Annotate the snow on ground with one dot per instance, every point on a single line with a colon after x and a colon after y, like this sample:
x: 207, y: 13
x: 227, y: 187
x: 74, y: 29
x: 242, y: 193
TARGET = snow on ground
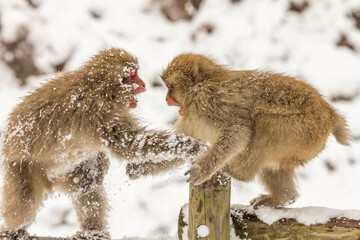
x: 247, y: 35
x: 304, y: 215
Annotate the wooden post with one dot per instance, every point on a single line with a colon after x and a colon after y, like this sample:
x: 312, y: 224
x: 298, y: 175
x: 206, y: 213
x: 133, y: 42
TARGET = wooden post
x: 209, y: 205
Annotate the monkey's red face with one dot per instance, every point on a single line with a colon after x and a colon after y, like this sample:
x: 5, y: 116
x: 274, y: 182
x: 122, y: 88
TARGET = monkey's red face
x: 138, y: 84
x: 170, y: 98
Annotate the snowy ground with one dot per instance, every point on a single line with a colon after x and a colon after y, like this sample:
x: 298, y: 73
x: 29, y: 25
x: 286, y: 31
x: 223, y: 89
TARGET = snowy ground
x: 250, y: 34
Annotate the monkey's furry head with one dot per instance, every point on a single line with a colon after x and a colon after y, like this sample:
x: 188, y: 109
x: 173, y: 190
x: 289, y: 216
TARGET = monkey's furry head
x: 187, y: 73
x: 112, y: 61
x: 188, y: 70
x: 109, y: 71
x: 191, y: 65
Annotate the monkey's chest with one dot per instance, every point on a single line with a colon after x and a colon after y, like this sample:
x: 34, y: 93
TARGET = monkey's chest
x: 197, y: 128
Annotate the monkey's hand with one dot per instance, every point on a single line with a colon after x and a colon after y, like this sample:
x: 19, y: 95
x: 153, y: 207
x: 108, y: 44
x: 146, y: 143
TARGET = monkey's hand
x: 200, y: 171
x: 136, y: 170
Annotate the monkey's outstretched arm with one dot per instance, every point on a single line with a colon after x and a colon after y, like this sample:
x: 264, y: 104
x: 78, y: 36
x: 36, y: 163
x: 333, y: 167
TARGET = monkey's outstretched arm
x: 136, y: 170
x: 127, y: 141
x: 231, y: 140
x: 164, y: 145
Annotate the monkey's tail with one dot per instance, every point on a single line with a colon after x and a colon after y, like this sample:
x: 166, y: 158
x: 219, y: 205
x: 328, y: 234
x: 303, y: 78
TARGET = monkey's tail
x: 340, y: 129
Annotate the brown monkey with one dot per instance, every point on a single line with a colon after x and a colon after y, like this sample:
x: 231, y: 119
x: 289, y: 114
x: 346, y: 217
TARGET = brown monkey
x: 60, y: 135
x: 258, y: 123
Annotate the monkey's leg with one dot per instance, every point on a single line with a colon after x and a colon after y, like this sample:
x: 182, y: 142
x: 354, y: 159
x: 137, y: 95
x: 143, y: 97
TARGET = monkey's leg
x: 281, y: 187
x: 21, y: 196
x: 91, y: 208
x: 85, y: 185
x: 136, y: 170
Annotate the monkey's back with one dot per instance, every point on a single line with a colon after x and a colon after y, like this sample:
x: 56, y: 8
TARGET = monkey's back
x: 289, y: 115
x: 46, y: 121
x: 277, y: 94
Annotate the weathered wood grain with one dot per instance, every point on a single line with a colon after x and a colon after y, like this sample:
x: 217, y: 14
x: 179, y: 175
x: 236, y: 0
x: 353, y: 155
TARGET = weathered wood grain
x: 209, y: 205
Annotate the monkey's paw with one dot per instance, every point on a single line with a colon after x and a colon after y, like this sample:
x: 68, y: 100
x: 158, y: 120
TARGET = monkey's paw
x: 92, y: 235
x: 198, y: 174
x: 19, y: 234
x: 135, y: 170
x: 269, y: 201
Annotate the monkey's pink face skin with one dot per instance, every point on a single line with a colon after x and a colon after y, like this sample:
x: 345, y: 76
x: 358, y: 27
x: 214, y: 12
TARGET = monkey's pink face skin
x: 139, y: 87
x: 170, y: 99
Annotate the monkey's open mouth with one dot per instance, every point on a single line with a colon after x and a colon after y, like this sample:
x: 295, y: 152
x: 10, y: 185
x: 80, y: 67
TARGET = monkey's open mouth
x: 181, y: 112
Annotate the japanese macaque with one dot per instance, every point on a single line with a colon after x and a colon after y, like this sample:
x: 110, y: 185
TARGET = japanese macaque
x: 257, y: 123
x: 59, y: 137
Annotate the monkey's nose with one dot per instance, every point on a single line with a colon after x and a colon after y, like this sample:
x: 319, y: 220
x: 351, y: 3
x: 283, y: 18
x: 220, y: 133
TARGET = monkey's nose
x: 141, y: 84
x: 140, y: 87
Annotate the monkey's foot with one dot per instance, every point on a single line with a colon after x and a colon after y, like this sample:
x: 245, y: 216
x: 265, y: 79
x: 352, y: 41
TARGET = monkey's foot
x: 135, y: 171
x: 269, y: 201
x: 19, y: 234
x: 91, y: 235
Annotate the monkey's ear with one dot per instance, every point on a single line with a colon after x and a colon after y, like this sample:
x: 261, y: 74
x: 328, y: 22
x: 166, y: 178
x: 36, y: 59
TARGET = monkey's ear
x: 194, y: 75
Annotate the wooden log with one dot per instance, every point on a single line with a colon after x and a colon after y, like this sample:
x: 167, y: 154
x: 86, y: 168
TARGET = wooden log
x: 248, y: 226
x: 43, y: 238
x: 6, y: 236
x: 48, y: 238
x: 3, y: 237
x: 209, y: 209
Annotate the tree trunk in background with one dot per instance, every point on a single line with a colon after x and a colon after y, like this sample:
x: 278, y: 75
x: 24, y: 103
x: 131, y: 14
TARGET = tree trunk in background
x: 175, y: 10
x: 19, y: 55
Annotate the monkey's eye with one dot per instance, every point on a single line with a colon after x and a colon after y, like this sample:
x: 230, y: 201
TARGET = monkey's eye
x: 133, y: 75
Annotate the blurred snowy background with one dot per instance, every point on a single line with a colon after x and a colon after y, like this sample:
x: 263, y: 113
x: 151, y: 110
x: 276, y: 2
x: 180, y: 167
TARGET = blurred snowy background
x: 316, y: 40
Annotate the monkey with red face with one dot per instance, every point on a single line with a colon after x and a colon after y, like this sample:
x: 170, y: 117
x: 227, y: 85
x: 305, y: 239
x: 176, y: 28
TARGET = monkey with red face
x: 257, y: 123
x: 59, y: 137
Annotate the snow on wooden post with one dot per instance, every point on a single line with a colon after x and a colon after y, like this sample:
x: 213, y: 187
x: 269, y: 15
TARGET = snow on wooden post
x: 209, y: 210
